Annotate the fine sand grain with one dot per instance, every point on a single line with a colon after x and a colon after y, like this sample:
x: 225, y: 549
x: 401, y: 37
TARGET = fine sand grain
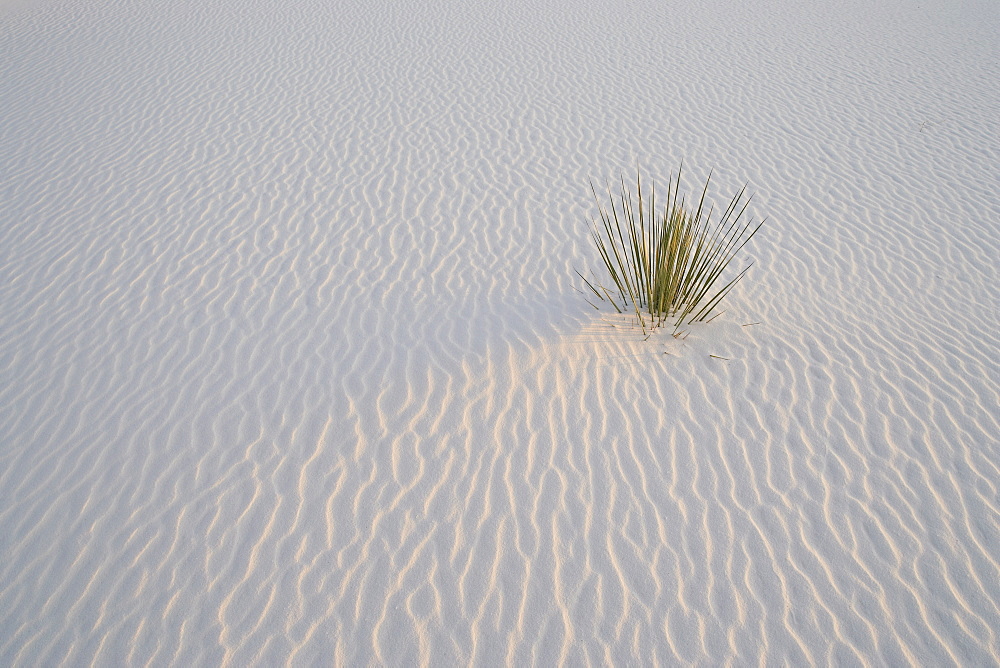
x: 294, y: 368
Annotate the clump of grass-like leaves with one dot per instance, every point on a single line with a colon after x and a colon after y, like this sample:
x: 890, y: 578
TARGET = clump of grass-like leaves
x: 667, y: 265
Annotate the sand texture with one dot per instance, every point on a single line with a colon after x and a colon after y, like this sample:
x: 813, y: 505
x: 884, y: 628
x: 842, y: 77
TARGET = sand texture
x: 295, y: 371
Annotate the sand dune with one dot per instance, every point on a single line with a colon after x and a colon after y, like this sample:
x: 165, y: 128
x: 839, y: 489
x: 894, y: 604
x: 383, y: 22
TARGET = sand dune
x: 295, y: 371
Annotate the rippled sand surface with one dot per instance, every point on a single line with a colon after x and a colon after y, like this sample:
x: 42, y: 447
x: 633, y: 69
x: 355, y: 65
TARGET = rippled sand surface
x: 294, y: 369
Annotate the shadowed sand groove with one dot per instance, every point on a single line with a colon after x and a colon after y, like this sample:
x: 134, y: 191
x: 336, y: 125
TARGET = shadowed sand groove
x: 294, y: 371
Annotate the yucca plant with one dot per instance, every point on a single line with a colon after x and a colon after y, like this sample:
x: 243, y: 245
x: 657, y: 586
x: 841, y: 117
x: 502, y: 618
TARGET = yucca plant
x: 667, y: 266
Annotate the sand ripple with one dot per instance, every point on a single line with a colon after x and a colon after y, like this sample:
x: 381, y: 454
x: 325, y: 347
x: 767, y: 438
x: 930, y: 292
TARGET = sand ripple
x: 294, y: 370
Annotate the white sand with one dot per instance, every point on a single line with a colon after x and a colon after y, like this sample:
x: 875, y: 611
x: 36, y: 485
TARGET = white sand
x: 294, y: 369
